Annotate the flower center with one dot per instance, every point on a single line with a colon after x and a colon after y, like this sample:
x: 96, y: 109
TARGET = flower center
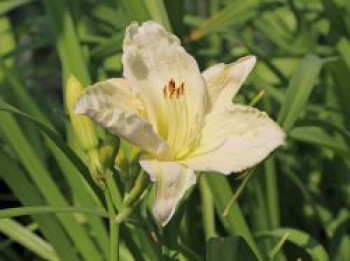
x: 175, y: 117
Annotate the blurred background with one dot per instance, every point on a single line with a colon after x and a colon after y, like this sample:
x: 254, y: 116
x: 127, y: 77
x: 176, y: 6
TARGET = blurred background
x: 297, y: 201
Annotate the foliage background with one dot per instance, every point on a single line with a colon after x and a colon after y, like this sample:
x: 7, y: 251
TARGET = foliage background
x: 295, y: 204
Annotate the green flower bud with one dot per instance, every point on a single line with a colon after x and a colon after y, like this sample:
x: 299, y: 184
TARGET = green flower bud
x: 140, y: 185
x: 122, y: 164
x: 98, y: 173
x: 108, y: 150
x: 83, y: 127
x: 85, y: 131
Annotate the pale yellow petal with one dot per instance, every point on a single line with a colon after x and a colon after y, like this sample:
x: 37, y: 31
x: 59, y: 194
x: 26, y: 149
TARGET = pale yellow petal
x: 234, y: 140
x: 172, y: 181
x: 111, y: 104
x: 224, y: 80
x: 167, y: 79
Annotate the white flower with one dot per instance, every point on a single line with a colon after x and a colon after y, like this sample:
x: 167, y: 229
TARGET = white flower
x: 182, y: 120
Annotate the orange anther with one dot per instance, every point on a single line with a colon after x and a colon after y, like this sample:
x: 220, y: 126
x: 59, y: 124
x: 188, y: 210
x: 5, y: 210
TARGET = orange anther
x: 182, y: 88
x: 170, y: 91
x: 172, y: 88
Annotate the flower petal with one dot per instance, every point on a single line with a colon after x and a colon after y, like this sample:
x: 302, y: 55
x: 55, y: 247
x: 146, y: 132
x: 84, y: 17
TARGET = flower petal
x: 111, y: 104
x: 235, y: 139
x: 224, y: 80
x: 157, y: 66
x: 172, y: 180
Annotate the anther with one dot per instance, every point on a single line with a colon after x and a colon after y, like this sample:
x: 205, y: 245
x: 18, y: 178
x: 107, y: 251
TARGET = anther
x: 182, y: 88
x: 172, y: 88
x: 170, y: 91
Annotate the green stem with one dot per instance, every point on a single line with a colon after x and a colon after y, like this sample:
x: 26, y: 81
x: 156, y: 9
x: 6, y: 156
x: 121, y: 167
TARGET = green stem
x: 272, y: 193
x: 116, y: 239
x: 113, y: 227
x: 238, y: 192
x: 208, y: 211
x: 235, y: 221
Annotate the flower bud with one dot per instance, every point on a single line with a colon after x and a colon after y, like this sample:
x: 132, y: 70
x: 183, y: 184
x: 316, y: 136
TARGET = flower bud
x: 98, y: 173
x: 140, y: 185
x: 82, y: 125
x: 108, y: 150
x: 85, y: 131
x: 122, y: 164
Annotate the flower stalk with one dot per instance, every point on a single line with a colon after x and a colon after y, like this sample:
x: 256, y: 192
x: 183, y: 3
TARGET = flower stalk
x: 113, y: 227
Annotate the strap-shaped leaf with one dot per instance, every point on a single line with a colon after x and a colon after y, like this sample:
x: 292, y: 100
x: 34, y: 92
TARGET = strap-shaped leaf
x: 299, y: 90
x: 28, y: 239
x: 78, y: 163
x: 228, y: 249
x: 301, y: 239
x: 35, y: 210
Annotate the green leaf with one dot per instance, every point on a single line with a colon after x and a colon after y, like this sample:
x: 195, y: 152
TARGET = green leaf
x: 229, y: 249
x: 301, y: 239
x: 108, y: 47
x: 24, y: 189
x: 9, y: 5
x: 208, y: 212
x: 319, y: 137
x: 234, y: 222
x: 28, y: 239
x: 234, y: 13
x: 299, y: 89
x: 343, y: 48
x: 113, y: 17
x: 34, y: 210
x: 18, y: 89
x: 57, y: 140
x: 340, y: 72
x: 158, y: 12
x: 340, y: 243
x: 46, y: 184
x: 71, y: 157
x: 67, y: 40
x: 135, y: 10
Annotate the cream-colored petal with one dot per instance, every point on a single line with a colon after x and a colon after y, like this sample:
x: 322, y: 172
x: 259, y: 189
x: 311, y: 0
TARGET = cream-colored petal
x: 234, y: 140
x: 224, y: 80
x: 157, y: 67
x: 111, y: 104
x: 172, y: 180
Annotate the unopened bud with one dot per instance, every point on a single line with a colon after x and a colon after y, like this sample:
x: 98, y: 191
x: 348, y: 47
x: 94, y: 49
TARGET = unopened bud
x: 84, y: 130
x: 83, y: 127
x: 138, y: 188
x: 133, y: 170
x: 108, y: 150
x: 122, y: 164
x: 97, y: 171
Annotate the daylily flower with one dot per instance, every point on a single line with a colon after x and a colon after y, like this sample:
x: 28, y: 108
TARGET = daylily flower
x: 182, y: 120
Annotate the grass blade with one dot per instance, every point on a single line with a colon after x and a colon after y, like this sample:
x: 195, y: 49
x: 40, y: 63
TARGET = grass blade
x: 158, y: 12
x: 28, y: 194
x: 28, y: 239
x: 34, y: 210
x: 235, y: 221
x: 301, y: 239
x: 235, y: 12
x: 299, y: 89
x: 35, y: 167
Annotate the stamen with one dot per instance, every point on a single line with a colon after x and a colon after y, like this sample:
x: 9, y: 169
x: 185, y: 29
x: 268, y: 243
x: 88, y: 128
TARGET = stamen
x: 182, y: 88
x: 170, y: 91
x: 172, y: 88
